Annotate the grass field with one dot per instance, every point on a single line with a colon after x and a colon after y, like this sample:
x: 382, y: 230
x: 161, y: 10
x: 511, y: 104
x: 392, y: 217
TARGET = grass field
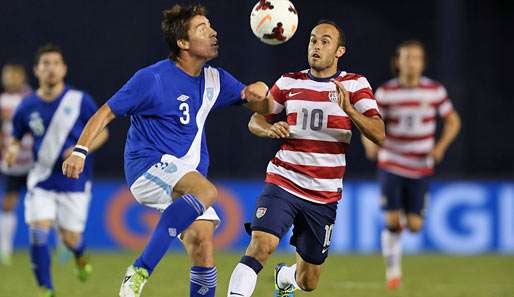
x: 355, y: 276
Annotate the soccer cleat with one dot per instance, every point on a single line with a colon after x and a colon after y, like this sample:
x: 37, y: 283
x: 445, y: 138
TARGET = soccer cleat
x: 133, y: 282
x: 393, y: 283
x: 287, y: 292
x: 45, y: 292
x: 84, y: 268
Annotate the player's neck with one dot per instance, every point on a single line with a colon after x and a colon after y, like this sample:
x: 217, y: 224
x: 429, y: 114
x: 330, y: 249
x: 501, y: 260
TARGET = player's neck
x: 50, y: 92
x: 325, y: 73
x: 409, y: 81
x: 189, y: 65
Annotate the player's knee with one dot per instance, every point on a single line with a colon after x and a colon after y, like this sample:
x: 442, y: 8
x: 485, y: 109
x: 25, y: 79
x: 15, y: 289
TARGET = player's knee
x: 262, y: 246
x: 206, y: 192
x: 415, y: 225
x: 10, y: 201
x: 69, y: 238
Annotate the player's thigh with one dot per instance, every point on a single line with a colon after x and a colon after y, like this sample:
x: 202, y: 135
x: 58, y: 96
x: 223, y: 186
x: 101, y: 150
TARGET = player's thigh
x: 72, y: 210
x: 40, y: 207
x: 275, y: 211
x: 417, y: 195
x: 307, y: 274
x: 391, y: 191
x: 313, y: 229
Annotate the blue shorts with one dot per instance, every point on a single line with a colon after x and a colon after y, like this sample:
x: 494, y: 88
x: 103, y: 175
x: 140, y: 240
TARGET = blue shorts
x: 277, y: 210
x: 402, y: 193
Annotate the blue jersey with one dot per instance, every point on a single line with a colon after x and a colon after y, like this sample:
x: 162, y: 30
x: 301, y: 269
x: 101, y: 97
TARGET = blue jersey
x: 55, y: 127
x: 168, y: 109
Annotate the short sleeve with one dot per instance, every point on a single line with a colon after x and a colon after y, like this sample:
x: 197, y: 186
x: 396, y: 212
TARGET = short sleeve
x: 362, y: 98
x: 445, y: 106
x: 19, y: 124
x: 135, y: 96
x: 230, y: 90
x: 279, y: 92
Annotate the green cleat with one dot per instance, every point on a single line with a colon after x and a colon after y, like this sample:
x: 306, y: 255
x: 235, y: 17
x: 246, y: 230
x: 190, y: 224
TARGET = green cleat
x: 133, y: 282
x: 287, y: 292
x: 84, y: 268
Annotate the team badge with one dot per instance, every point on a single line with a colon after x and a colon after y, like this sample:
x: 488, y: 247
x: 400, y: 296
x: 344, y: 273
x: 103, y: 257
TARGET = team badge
x: 261, y: 211
x: 332, y: 96
x: 210, y: 93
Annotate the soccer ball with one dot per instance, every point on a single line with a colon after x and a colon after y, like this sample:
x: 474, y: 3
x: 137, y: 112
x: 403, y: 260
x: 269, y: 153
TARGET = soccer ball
x: 274, y: 21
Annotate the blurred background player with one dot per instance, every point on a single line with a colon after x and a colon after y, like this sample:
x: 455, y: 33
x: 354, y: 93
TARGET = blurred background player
x: 304, y: 180
x: 166, y: 157
x: 54, y: 115
x: 15, y: 88
x: 410, y: 105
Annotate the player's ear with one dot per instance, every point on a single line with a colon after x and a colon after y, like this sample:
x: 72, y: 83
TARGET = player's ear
x: 183, y: 44
x: 340, y: 51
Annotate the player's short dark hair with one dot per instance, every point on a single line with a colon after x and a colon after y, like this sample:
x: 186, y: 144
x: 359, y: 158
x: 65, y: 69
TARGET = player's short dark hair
x: 175, y: 24
x: 45, y: 49
x: 404, y: 44
x: 342, y: 37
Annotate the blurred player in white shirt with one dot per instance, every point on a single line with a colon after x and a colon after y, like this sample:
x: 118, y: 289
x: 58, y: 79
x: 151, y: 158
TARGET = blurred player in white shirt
x: 15, y: 88
x: 410, y: 106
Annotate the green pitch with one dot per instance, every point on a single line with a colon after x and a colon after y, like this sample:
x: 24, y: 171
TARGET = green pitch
x: 355, y: 276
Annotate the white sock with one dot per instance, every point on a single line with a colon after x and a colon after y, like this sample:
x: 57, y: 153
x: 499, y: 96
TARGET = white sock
x: 286, y: 277
x: 392, y: 252
x: 242, y: 282
x: 7, y: 229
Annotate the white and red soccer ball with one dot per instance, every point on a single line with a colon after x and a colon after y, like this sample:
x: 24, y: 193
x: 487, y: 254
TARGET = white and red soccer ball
x: 274, y: 21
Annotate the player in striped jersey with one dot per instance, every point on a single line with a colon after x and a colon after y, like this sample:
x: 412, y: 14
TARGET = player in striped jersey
x: 304, y: 179
x: 410, y: 105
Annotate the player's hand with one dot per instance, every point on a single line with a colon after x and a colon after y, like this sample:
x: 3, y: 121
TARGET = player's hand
x: 437, y: 154
x: 67, y: 153
x: 278, y: 130
x: 73, y: 166
x: 255, y: 92
x: 10, y: 154
x: 343, y: 97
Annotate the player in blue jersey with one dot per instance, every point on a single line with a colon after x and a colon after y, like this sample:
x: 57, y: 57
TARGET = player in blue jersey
x: 54, y: 115
x: 166, y: 153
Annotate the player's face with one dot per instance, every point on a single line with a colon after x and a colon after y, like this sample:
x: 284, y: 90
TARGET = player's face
x: 411, y: 61
x: 324, y: 51
x: 203, y: 41
x: 50, y: 70
x: 13, y: 78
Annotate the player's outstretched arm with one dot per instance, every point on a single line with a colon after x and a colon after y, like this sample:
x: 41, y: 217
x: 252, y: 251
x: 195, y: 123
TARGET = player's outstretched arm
x: 91, y: 138
x: 259, y: 126
x: 258, y: 97
x: 451, y: 128
x: 372, y: 128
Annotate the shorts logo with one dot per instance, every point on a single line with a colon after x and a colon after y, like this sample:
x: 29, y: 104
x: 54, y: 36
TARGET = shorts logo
x: 261, y: 211
x: 332, y: 96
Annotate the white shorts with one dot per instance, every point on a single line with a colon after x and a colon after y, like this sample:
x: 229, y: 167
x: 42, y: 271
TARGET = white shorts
x: 68, y: 209
x: 155, y: 187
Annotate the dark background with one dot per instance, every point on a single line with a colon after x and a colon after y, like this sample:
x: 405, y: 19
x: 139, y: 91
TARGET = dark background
x: 470, y: 47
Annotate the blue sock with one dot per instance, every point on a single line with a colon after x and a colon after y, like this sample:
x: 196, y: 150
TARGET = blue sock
x: 174, y: 220
x: 40, y: 257
x: 203, y: 281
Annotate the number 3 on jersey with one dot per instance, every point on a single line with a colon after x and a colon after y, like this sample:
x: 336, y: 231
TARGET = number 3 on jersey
x: 185, y: 118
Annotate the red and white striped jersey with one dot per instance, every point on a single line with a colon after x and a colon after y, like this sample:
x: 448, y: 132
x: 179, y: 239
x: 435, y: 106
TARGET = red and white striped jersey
x: 8, y: 104
x: 410, y: 115
x: 311, y: 162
